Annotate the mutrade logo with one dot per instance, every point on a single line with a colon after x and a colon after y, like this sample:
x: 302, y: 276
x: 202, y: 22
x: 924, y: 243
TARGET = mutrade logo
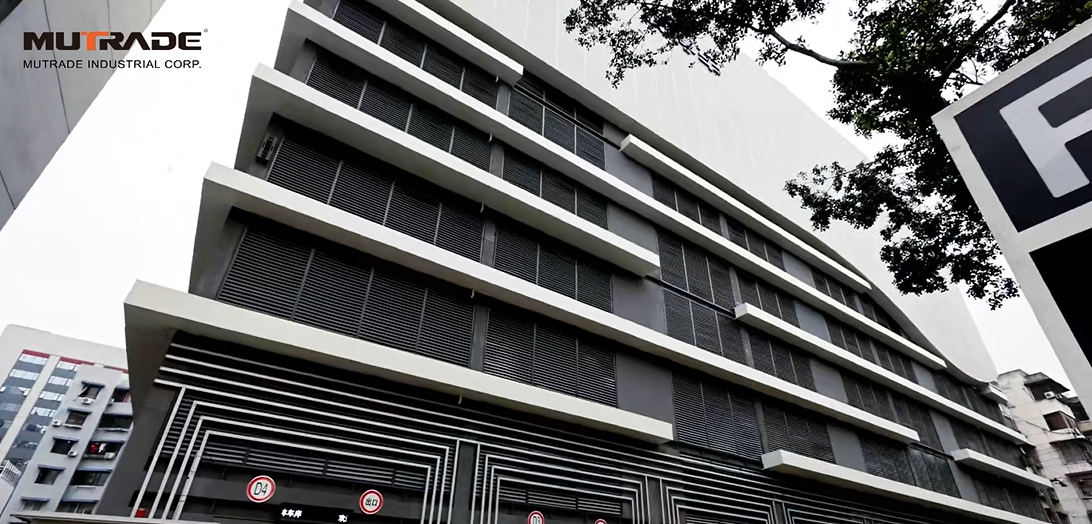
x: 1043, y: 134
x: 105, y: 40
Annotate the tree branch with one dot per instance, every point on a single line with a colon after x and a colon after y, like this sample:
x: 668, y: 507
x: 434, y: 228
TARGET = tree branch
x: 823, y: 59
x: 969, y: 43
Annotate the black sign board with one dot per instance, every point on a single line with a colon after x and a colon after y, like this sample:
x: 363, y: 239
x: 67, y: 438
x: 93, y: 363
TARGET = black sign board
x: 316, y: 515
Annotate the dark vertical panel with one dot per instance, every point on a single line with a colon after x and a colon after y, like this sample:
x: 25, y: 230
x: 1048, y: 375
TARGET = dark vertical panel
x: 672, y: 264
x: 679, y: 323
x: 266, y: 274
x: 447, y: 328
x: 363, y: 191
x: 360, y: 17
x: 392, y: 315
x: 303, y: 169
x: 333, y: 295
x: 697, y: 273
x: 509, y: 347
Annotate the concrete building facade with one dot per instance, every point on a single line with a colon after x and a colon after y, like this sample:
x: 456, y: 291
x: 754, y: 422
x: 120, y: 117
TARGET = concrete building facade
x: 1059, y: 428
x: 449, y: 264
x: 66, y: 415
x: 40, y: 106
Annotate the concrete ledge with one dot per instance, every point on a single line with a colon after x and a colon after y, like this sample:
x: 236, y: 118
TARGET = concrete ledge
x: 792, y: 464
x: 274, y: 92
x: 981, y: 462
x: 649, y: 157
x: 152, y: 309
x: 994, y: 393
x: 226, y: 188
x: 757, y: 318
x: 56, y: 517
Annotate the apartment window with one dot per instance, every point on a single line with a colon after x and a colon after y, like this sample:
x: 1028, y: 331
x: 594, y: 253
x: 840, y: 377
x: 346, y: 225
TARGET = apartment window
x: 32, y: 504
x: 36, y: 428
x: 33, y: 359
x: 68, y: 366
x: 62, y: 446
x: 40, y: 411
x: 1059, y: 421
x: 60, y: 381
x: 1075, y: 451
x: 120, y: 395
x: 89, y: 478
x: 76, y: 418
x: 9, y: 406
x: 49, y: 395
x: 19, y: 373
x: 26, y: 444
x: 85, y: 508
x: 1083, y: 484
x: 100, y: 449
x: 47, y: 475
x: 90, y: 390
x: 115, y: 422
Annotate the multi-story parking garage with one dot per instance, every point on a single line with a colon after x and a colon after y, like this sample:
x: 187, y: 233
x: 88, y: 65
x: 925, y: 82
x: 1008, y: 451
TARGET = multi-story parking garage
x: 444, y: 269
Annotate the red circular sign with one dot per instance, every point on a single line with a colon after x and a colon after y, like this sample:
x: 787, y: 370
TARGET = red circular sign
x: 535, y: 517
x: 600, y: 521
x: 260, y: 488
x: 371, y: 502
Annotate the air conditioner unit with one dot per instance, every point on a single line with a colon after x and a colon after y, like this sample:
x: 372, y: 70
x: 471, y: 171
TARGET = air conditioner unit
x: 1050, y: 394
x: 73, y: 453
x: 266, y: 150
x: 55, y: 423
x: 111, y: 401
x: 109, y: 456
x: 86, y: 400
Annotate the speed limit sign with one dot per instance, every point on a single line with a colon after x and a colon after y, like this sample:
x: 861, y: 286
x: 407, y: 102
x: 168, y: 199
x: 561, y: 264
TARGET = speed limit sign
x: 371, y: 502
x: 535, y: 517
x: 260, y: 488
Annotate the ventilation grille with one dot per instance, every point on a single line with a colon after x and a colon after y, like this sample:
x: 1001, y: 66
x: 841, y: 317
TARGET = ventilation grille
x: 704, y: 327
x: 791, y: 429
x: 527, y: 174
x: 555, y: 267
x: 544, y: 498
x: 375, y: 25
x: 549, y: 356
x: 294, y: 281
x: 557, y: 128
x: 712, y: 415
x: 349, y: 84
x: 908, y: 464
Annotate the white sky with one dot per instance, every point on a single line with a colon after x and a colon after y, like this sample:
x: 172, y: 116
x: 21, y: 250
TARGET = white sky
x: 106, y: 211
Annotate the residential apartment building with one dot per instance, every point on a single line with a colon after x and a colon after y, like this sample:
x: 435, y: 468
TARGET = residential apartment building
x: 1056, y: 424
x: 66, y: 416
x: 444, y: 268
x: 41, y: 106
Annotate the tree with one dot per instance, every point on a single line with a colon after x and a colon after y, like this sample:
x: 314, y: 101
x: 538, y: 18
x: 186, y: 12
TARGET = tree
x: 907, y: 60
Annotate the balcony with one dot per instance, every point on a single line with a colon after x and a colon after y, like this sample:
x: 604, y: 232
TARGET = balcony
x: 1085, y: 427
x: 976, y: 460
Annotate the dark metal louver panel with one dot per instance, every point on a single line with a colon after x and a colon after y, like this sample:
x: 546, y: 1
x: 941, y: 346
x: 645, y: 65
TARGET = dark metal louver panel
x: 663, y: 191
x: 775, y: 256
x: 386, y: 103
x: 522, y: 172
x: 594, y: 286
x: 440, y: 64
x: 266, y: 274
x: 406, y: 43
x: 460, y: 232
x: 787, y: 306
x: 756, y: 244
x: 680, y: 326
x: 303, y: 169
x: 337, y: 78
x: 598, y: 376
x: 559, y: 130
x: 360, y: 17
x: 557, y: 271
x: 333, y: 295
x: 722, y: 284
x: 731, y: 339
x: 413, y: 212
x: 689, y: 411
x: 559, y: 191
x: 174, y: 431
x: 688, y: 205
x: 761, y: 352
x: 516, y: 255
x: 801, y: 364
x: 748, y: 288
x: 886, y: 459
x: 509, y: 347
x: 432, y: 126
x: 392, y: 316
x: 697, y: 273
x: 363, y: 191
x: 555, y: 360
x: 447, y: 329
x: 672, y: 265
x: 940, y: 475
x: 473, y: 146
x: 768, y: 298
x: 710, y: 414
x: 591, y: 148
x: 526, y: 111
x: 783, y: 364
x: 710, y: 217
x: 791, y: 430
x: 736, y: 232
x: 706, y: 334
x: 591, y: 207
x: 820, y: 282
x: 480, y: 85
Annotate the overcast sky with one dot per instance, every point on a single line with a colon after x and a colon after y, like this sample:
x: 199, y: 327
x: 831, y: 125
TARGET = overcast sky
x: 107, y: 211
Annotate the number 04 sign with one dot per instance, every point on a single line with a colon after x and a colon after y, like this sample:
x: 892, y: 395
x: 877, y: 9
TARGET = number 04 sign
x: 371, y: 502
x: 260, y: 489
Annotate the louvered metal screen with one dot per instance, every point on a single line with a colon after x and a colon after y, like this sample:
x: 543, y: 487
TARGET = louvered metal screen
x: 700, y: 325
x: 293, y: 280
x: 364, y: 19
x: 712, y: 415
x: 791, y: 429
x: 531, y: 176
x: 691, y: 269
x: 521, y: 348
x: 555, y: 499
x: 528, y: 255
x: 1007, y: 496
x: 908, y: 464
x: 776, y: 358
x: 351, y: 85
x: 557, y: 128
